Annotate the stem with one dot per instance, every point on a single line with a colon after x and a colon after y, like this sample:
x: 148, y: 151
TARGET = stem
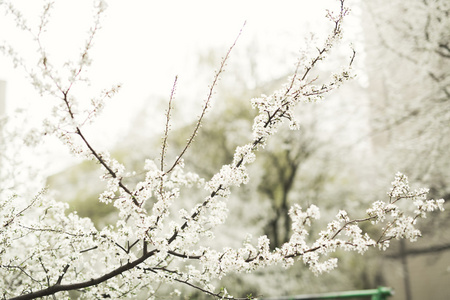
x: 94, y: 281
x: 207, y: 102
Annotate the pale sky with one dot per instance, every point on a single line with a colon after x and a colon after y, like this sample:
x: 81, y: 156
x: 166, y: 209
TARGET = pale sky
x: 144, y: 44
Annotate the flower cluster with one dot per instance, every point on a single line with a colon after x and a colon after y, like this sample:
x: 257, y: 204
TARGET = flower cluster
x: 342, y: 233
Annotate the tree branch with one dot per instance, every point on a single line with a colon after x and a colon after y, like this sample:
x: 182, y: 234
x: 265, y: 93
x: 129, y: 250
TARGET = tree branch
x: 421, y: 251
x: 207, y: 101
x: 94, y: 281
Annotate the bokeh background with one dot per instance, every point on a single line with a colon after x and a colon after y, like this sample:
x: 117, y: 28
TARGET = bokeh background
x: 394, y: 116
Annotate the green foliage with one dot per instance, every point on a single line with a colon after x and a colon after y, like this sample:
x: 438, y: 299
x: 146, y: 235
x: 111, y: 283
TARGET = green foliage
x: 80, y: 186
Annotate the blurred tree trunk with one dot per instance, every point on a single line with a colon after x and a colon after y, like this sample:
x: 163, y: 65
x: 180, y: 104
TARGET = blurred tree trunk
x: 405, y: 271
x: 408, y: 69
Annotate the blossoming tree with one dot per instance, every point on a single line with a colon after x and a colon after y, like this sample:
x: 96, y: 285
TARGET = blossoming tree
x: 407, y: 109
x: 45, y: 251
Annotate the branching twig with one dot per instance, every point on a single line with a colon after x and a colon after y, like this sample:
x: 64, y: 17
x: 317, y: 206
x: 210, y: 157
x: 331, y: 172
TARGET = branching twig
x: 219, y: 295
x: 36, y: 198
x: 166, y: 130
x: 207, y: 102
x: 108, y: 168
x: 279, y: 112
x: 94, y: 281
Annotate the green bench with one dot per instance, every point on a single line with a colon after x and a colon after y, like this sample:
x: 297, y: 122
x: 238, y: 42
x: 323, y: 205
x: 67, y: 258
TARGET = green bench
x: 380, y: 293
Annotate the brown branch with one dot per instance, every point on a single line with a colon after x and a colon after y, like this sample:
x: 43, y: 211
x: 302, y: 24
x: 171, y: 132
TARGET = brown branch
x: 207, y: 101
x: 182, y: 255
x: 66, y: 267
x: 356, y: 221
x: 218, y: 295
x: 22, y: 271
x: 94, y: 281
x: 65, y: 93
x: 166, y: 130
x: 422, y: 251
x: 89, y: 249
x: 23, y: 210
x: 103, y: 163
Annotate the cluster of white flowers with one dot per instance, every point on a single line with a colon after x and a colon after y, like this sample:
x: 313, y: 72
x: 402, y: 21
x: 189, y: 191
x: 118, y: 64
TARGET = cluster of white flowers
x: 41, y: 245
x: 20, y: 21
x: 342, y: 233
x: 401, y: 225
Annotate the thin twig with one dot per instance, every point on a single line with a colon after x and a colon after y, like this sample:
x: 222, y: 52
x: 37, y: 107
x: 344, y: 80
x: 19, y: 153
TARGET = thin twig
x: 218, y: 295
x: 26, y: 208
x: 166, y: 130
x: 207, y: 101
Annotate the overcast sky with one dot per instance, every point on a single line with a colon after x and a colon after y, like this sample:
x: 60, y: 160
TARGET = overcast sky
x: 144, y: 44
